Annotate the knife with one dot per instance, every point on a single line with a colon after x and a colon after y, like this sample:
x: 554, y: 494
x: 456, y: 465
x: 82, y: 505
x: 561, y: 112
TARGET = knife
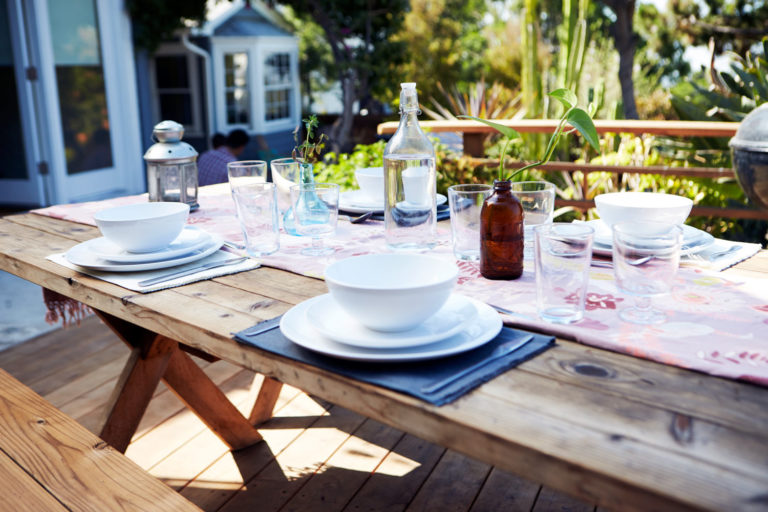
x: 502, y: 350
x: 182, y: 273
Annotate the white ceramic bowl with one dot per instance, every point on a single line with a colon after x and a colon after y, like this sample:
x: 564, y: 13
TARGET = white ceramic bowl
x: 642, y: 207
x: 371, y: 183
x: 142, y: 227
x: 391, y: 292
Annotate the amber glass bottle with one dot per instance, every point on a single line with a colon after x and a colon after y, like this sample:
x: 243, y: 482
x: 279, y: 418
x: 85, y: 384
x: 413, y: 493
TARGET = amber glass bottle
x: 501, y: 234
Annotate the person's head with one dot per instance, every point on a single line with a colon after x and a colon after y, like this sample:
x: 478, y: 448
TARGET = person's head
x: 236, y: 141
x: 218, y: 140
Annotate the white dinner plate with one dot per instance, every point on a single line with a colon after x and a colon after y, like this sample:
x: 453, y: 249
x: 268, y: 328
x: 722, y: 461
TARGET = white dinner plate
x: 354, y: 201
x: 190, y: 239
x: 83, y: 256
x: 694, y: 240
x: 297, y: 328
x: 333, y: 322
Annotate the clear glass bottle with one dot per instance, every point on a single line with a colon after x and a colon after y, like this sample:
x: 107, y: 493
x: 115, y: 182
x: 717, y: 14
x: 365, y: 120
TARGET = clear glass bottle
x: 410, y: 212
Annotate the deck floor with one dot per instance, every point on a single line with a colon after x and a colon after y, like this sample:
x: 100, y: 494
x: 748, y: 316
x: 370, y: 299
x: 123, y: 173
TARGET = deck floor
x: 316, y: 456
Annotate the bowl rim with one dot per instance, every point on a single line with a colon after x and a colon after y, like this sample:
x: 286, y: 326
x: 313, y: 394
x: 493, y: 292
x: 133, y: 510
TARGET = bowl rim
x: 454, y: 274
x: 169, y: 210
x: 683, y: 201
x: 372, y: 172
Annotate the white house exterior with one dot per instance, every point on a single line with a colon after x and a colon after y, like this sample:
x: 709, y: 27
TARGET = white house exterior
x: 81, y: 101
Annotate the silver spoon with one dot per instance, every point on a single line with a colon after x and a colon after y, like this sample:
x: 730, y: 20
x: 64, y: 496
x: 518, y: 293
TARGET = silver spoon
x: 358, y: 220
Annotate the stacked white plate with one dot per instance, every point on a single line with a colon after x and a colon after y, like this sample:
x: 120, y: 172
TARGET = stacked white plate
x: 321, y: 325
x: 694, y: 240
x: 101, y: 254
x: 355, y: 201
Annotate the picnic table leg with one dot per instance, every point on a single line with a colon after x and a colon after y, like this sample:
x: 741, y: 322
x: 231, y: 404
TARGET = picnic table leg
x: 265, y: 401
x: 154, y: 357
x: 207, y: 401
x: 134, y: 390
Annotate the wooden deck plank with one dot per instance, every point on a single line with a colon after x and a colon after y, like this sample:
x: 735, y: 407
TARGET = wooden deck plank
x: 38, y: 371
x: 339, y: 479
x: 200, y: 451
x: 272, y: 487
x: 406, y: 467
x: 507, y: 492
x: 452, y: 486
x: 224, y: 479
x: 70, y: 371
x: 550, y: 500
x: 160, y: 441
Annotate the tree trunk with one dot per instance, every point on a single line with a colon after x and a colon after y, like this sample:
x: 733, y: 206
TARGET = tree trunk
x: 341, y: 132
x: 625, y: 41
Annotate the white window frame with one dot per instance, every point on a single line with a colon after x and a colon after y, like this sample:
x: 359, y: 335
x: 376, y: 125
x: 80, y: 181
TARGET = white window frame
x: 222, y: 47
x: 258, y: 50
x: 196, y: 129
x: 268, y: 46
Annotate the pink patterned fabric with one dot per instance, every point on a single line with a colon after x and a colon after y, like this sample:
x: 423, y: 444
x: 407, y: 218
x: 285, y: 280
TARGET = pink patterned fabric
x: 716, y: 325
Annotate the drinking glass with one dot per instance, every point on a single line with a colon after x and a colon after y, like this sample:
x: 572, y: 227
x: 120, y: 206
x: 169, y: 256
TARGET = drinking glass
x: 646, y: 256
x: 256, y: 208
x: 563, y: 256
x: 285, y: 172
x: 250, y: 171
x: 465, y: 202
x: 538, y: 201
x: 316, y: 212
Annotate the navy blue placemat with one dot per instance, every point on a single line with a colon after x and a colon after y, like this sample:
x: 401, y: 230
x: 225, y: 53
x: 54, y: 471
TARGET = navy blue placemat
x: 411, y: 378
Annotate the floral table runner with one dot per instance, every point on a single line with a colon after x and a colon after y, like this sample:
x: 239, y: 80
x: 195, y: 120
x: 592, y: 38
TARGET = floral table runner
x: 716, y: 324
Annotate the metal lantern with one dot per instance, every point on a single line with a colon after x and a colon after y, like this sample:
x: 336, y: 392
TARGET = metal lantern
x: 171, y: 166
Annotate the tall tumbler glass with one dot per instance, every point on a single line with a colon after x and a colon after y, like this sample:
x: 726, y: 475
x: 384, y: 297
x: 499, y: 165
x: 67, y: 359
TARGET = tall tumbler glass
x: 646, y: 256
x: 563, y: 255
x: 256, y: 208
x: 466, y: 202
x: 538, y: 201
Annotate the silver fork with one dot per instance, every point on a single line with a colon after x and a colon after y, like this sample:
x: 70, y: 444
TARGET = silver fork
x: 717, y: 255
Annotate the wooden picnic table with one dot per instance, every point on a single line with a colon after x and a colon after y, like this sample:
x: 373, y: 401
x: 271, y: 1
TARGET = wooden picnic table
x: 618, y: 431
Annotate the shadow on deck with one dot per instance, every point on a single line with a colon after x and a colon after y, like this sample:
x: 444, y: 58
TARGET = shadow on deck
x: 316, y: 456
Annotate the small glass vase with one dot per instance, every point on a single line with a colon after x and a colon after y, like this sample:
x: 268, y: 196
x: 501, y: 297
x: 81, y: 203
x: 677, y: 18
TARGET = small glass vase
x: 501, y: 234
x: 305, y: 176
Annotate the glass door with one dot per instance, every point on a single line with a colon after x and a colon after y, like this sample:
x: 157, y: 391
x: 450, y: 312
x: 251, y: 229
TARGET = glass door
x: 22, y: 183
x: 80, y: 88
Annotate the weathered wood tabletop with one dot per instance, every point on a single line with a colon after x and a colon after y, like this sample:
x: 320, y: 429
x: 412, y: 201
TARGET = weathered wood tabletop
x: 621, y: 432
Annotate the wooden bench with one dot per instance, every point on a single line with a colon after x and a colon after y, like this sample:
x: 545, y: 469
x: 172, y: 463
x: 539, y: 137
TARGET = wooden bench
x: 50, y: 462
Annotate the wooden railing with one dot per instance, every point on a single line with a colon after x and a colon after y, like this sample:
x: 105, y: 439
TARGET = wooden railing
x: 474, y: 134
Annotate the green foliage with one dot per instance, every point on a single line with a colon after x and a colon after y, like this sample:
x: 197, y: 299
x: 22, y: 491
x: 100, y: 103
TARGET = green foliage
x: 576, y: 117
x: 494, y: 102
x: 359, y: 33
x: 735, y: 25
x: 308, y: 150
x: 316, y: 66
x: 155, y: 21
x: 733, y: 95
x: 443, y: 43
x: 340, y: 167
